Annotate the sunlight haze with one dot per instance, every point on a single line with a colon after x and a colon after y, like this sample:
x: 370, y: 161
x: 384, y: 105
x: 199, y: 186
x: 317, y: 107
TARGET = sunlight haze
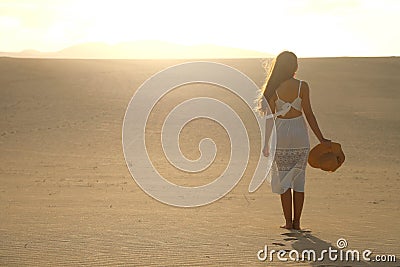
x: 310, y: 28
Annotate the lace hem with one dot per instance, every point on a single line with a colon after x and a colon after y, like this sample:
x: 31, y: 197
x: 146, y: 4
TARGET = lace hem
x: 287, y: 159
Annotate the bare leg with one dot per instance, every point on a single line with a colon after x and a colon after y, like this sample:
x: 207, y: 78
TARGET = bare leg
x: 298, y: 201
x: 286, y: 199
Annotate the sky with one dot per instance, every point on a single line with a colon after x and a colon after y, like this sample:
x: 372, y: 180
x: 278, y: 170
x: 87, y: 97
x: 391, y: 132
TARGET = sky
x: 310, y: 28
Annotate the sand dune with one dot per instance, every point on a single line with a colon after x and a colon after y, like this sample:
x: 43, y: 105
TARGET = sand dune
x: 67, y: 198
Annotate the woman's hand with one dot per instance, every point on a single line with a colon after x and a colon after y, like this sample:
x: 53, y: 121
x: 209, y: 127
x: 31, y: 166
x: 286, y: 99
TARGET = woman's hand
x: 326, y: 142
x: 265, y: 151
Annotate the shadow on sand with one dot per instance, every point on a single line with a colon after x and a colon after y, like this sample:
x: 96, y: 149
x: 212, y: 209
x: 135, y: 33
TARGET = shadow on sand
x: 304, y: 240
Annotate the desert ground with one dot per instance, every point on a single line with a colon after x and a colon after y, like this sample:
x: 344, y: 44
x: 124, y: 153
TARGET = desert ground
x: 67, y: 197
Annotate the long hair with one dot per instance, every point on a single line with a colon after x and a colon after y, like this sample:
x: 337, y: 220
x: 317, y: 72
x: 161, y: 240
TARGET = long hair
x: 283, y: 68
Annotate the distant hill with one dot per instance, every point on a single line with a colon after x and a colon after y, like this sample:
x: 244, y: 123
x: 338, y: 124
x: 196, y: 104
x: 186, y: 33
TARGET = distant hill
x: 141, y: 50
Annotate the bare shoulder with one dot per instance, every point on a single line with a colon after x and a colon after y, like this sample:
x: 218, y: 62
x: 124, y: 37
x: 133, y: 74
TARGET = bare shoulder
x: 304, y: 87
x: 304, y: 84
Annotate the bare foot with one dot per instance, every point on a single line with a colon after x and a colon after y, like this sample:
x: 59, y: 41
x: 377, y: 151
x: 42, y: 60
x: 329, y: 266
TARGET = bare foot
x: 287, y: 225
x: 296, y: 225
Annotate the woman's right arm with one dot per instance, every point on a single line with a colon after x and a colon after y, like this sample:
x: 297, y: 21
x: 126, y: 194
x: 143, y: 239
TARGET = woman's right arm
x: 312, y: 121
x: 268, y: 127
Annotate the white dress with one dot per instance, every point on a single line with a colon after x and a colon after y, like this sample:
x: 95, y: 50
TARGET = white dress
x: 292, y: 148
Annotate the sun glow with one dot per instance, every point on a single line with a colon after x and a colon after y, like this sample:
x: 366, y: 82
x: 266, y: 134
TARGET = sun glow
x: 308, y: 27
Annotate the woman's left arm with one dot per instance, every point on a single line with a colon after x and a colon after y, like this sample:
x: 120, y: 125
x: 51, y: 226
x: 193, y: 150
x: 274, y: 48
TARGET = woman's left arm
x: 308, y: 112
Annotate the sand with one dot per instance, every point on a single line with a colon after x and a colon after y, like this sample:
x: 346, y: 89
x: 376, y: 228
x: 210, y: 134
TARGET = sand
x: 67, y: 198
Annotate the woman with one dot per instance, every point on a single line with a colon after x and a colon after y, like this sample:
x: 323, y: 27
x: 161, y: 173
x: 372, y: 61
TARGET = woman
x: 288, y: 99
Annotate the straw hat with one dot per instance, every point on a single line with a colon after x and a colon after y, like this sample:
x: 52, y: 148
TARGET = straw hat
x: 326, y: 157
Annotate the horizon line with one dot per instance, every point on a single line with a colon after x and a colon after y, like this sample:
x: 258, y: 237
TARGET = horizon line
x: 194, y: 58
x: 14, y: 54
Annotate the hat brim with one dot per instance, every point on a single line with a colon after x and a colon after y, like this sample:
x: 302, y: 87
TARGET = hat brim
x: 314, y: 157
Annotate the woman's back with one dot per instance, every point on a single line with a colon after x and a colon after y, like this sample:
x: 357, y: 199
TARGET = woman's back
x: 289, y: 92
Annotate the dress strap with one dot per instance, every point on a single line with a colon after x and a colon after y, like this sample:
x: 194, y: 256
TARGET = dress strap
x: 298, y: 94
x: 276, y: 92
